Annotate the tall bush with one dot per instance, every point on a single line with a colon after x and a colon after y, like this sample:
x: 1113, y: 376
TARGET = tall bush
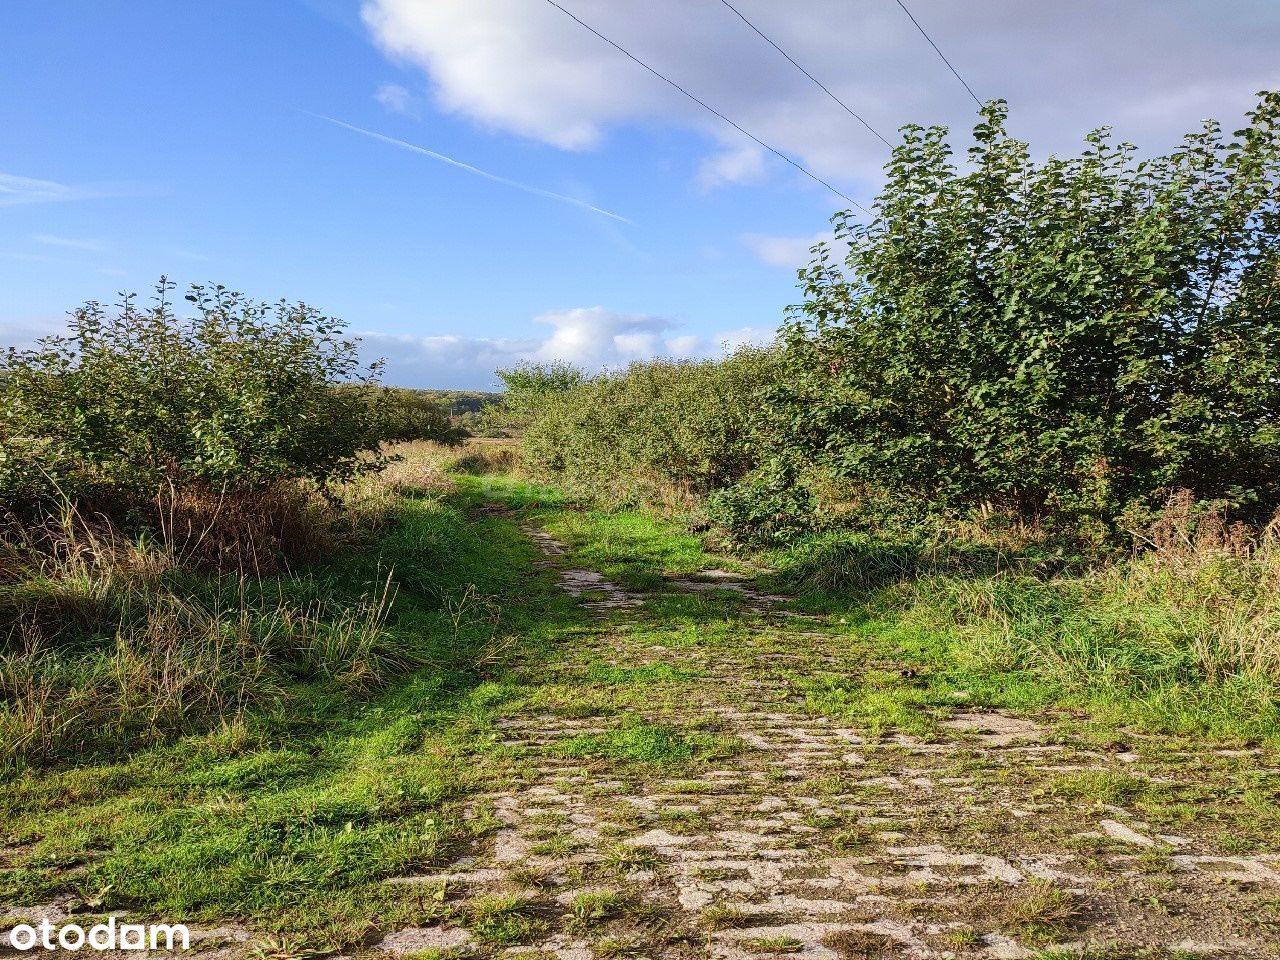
x: 665, y: 432
x: 236, y: 397
x: 405, y: 415
x: 1063, y: 340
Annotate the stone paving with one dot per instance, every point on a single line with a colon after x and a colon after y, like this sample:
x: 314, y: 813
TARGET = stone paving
x: 815, y: 839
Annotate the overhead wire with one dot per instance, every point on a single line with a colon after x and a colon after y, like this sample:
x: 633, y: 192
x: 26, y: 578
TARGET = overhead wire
x: 710, y: 109
x: 822, y: 86
x: 954, y: 71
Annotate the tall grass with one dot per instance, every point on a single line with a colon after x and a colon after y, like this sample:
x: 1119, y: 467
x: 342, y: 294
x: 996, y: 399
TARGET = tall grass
x: 109, y: 641
x: 1185, y: 632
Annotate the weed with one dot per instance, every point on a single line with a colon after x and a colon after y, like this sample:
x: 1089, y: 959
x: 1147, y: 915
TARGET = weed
x: 503, y: 920
x: 859, y: 945
x: 774, y: 944
x: 641, y: 742
x: 593, y: 906
x: 725, y: 916
x: 1038, y: 909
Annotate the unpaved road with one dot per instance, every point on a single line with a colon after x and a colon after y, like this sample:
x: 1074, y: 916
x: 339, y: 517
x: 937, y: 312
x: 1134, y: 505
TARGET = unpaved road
x: 801, y: 835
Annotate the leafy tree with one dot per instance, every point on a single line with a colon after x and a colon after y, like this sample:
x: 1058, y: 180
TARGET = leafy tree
x: 238, y: 396
x: 529, y: 388
x: 1065, y: 340
x: 405, y: 414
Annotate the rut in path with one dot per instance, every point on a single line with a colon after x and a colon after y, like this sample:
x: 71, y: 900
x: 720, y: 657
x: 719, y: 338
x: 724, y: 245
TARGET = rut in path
x: 798, y: 835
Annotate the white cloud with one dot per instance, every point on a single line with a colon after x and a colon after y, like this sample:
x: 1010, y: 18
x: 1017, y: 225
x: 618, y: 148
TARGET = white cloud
x: 790, y: 252
x: 739, y: 165
x: 525, y: 68
x: 15, y: 190
x: 24, y: 333
x: 70, y: 243
x: 755, y: 336
x: 593, y: 338
x: 394, y: 97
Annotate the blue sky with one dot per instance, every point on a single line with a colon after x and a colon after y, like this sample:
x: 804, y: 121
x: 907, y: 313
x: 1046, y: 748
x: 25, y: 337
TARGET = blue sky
x: 185, y: 138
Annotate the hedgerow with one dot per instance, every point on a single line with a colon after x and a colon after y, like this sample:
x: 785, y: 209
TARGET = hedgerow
x: 666, y: 432
x: 1064, y: 342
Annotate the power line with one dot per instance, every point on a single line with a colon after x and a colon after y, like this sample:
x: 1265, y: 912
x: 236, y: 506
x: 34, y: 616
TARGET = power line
x: 710, y: 109
x: 821, y: 85
x: 955, y: 72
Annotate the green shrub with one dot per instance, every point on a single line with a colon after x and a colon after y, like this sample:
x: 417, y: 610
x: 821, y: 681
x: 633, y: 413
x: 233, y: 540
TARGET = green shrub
x: 236, y: 398
x: 1063, y: 341
x: 1053, y: 347
x: 405, y: 415
x: 665, y: 432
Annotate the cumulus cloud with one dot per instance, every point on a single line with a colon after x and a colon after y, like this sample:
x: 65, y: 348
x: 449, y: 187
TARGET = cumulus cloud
x: 593, y: 338
x: 1153, y: 67
x: 394, y: 97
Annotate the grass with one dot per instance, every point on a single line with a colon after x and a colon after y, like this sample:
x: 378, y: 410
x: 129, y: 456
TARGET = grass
x: 1184, y: 640
x: 635, y: 550
x: 592, y: 907
x: 287, y: 811
x: 638, y: 742
x: 504, y: 920
x: 289, y: 814
x: 1181, y: 643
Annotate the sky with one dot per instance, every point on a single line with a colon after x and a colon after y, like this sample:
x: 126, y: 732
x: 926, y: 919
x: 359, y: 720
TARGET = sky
x: 473, y: 183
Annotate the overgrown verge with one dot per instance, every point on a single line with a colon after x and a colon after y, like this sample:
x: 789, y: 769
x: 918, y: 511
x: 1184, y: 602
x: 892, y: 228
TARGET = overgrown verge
x: 1035, y: 404
x: 117, y: 642
x: 169, y: 487
x: 1183, y: 637
x: 289, y: 817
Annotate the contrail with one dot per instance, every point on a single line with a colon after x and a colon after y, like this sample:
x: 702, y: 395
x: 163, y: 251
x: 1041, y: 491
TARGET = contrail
x: 527, y: 188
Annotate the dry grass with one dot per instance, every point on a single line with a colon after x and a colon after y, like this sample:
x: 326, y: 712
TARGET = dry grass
x: 483, y: 456
x: 417, y: 469
x: 258, y: 532
x: 1220, y: 583
x: 109, y: 640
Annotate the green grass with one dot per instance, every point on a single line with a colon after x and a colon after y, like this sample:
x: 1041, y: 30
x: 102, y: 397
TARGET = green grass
x: 608, y: 674
x: 1085, y: 643
x: 639, y: 742
x: 504, y: 920
x: 289, y: 818
x: 634, y: 550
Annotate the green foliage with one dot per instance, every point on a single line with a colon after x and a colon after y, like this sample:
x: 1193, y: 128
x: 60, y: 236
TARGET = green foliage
x: 237, y: 397
x: 404, y: 414
x: 107, y: 644
x: 528, y: 389
x: 1065, y: 340
x: 666, y: 432
x: 292, y: 819
x: 1058, y: 344
x: 640, y: 742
